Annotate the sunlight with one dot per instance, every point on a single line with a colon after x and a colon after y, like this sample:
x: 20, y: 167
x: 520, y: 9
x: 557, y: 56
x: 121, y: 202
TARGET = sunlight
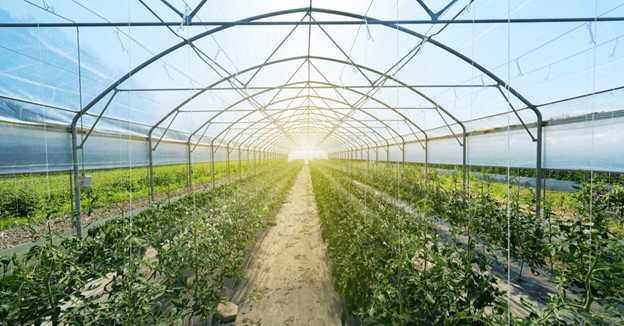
x: 307, y: 153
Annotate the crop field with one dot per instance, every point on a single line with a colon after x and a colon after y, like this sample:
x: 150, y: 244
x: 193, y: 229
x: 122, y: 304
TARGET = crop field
x: 162, y: 266
x: 35, y: 196
x: 403, y: 245
x: 408, y: 246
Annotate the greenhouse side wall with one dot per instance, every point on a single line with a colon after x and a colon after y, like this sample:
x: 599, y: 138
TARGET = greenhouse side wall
x: 30, y: 149
x: 583, y: 145
x: 37, y: 149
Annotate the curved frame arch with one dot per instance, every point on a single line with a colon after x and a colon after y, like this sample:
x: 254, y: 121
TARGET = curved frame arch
x: 392, y: 130
x: 200, y: 91
x: 323, y: 98
x: 309, y: 10
x: 298, y: 115
x: 302, y: 113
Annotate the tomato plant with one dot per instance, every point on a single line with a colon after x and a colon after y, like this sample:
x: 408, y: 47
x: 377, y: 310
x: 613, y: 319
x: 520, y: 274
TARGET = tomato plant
x: 584, y: 249
x: 392, y: 268
x: 164, y: 265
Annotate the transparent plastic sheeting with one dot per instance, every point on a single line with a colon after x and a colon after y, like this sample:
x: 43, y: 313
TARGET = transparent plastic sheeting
x: 586, y: 145
x: 30, y: 149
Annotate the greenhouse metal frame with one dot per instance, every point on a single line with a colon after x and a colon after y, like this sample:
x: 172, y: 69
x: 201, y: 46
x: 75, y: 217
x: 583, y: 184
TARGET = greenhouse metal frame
x: 306, y: 105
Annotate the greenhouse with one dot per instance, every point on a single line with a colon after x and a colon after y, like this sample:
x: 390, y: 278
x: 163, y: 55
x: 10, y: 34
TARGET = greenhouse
x: 413, y: 162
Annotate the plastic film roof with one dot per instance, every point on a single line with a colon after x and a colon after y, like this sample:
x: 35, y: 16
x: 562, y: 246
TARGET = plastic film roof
x: 327, y: 75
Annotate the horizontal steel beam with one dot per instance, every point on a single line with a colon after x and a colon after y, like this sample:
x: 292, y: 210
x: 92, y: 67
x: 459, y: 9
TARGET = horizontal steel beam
x: 180, y: 89
x: 320, y: 22
x: 318, y: 108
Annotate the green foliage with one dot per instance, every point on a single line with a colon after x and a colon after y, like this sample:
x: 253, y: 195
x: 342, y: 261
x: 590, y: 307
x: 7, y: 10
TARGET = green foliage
x: 584, y: 247
x: 392, y: 268
x: 164, y: 266
x: 566, y: 175
x: 25, y: 196
x: 17, y: 203
x: 590, y: 269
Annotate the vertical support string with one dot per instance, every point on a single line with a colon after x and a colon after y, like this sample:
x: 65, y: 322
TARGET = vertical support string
x: 129, y: 138
x: 398, y: 176
x: 591, y: 149
x: 45, y: 119
x: 508, y: 164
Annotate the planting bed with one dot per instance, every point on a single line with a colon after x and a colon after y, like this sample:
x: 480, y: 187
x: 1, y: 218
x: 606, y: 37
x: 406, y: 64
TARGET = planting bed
x: 383, y: 225
x: 165, y: 265
x: 48, y: 197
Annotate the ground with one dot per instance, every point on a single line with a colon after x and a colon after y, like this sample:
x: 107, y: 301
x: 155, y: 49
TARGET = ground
x: 288, y: 279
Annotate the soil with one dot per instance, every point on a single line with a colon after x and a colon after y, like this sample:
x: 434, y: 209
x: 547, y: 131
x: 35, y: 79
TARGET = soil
x: 288, y: 278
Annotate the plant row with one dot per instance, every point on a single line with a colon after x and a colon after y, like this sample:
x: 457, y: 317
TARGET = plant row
x: 583, y: 248
x: 166, y: 265
x: 391, y: 267
x: 35, y: 196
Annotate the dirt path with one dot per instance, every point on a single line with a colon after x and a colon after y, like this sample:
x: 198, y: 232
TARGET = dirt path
x: 288, y: 278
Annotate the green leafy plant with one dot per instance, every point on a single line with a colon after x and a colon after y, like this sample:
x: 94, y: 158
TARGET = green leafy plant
x: 165, y: 265
x: 17, y: 203
x: 391, y: 268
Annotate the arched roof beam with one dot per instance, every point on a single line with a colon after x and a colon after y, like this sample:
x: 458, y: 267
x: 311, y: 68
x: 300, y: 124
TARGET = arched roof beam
x: 274, y: 140
x: 282, y: 100
x: 364, y: 126
x: 306, y: 113
x: 329, y: 99
x: 352, y: 137
x: 321, y: 120
x: 271, y: 138
x: 303, y: 82
x: 307, y: 9
x: 279, y: 112
x: 346, y: 140
x: 375, y: 99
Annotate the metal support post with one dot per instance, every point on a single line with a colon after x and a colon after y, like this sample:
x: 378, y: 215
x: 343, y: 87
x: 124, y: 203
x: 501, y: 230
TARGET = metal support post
x: 403, y: 153
x: 464, y: 146
x: 150, y: 156
x: 212, y: 164
x: 426, y: 161
x: 538, y: 168
x: 227, y: 163
x: 190, y: 166
x: 240, y: 164
x: 77, y: 213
